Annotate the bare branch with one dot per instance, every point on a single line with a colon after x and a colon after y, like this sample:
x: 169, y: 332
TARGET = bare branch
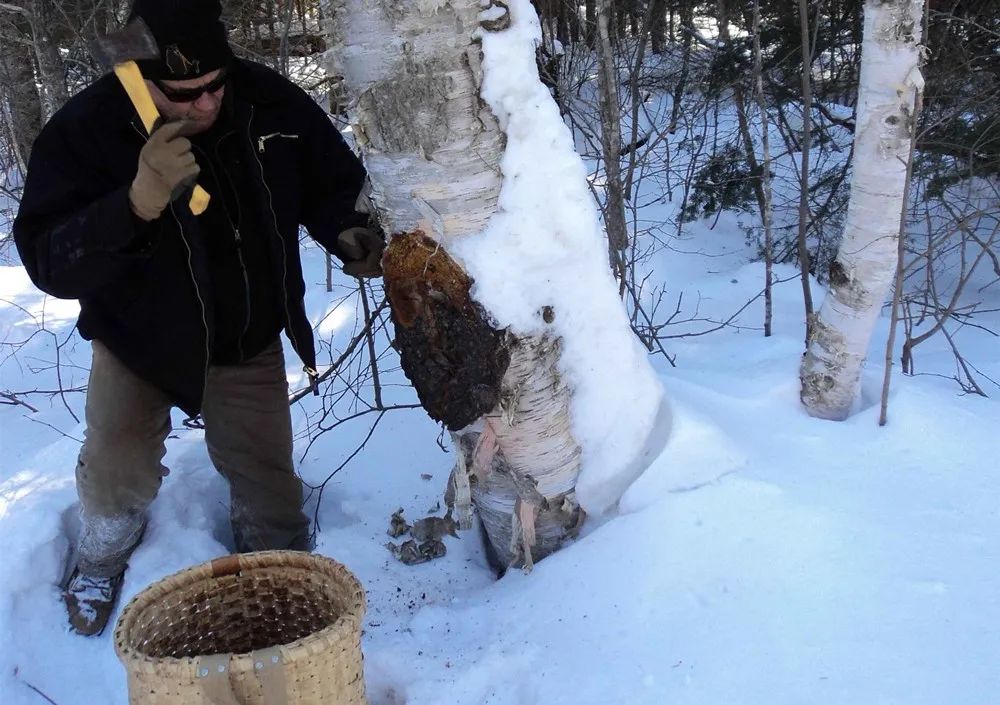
x: 7, y: 7
x: 14, y: 400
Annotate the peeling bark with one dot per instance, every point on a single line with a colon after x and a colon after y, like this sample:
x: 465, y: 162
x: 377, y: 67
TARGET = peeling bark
x: 502, y: 397
x: 535, y: 463
x: 433, y: 149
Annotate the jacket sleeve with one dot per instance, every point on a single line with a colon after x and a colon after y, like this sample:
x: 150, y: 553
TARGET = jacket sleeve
x: 333, y: 178
x: 74, y: 237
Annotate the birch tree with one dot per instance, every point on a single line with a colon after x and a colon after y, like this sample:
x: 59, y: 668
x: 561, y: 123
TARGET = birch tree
x: 552, y: 405
x: 861, y: 275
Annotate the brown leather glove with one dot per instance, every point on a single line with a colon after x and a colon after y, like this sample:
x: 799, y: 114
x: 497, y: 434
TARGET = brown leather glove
x: 362, y: 250
x: 166, y: 167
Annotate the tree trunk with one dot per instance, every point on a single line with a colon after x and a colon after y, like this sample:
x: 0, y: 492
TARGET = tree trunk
x: 575, y: 25
x: 739, y: 99
x: 863, y: 270
x: 611, y: 141
x: 804, y: 215
x: 658, y: 26
x: 433, y: 148
x: 766, y: 216
x: 562, y: 26
x: 677, y: 98
x: 51, y: 68
x: 590, y: 11
x: 22, y: 112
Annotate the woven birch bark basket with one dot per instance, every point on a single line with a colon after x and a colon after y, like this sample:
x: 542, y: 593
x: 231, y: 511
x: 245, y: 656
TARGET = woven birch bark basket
x: 266, y: 628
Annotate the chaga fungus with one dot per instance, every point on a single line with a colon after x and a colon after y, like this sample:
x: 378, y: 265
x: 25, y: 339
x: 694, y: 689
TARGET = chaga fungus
x: 449, y: 351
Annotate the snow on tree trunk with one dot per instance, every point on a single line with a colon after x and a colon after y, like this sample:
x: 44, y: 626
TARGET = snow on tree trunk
x: 550, y: 399
x: 862, y: 273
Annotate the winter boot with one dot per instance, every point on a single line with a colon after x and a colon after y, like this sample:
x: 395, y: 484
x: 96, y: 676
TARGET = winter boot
x: 90, y: 601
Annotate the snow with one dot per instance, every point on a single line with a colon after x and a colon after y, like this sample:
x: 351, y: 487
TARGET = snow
x: 547, y: 230
x: 764, y: 557
x: 492, y: 13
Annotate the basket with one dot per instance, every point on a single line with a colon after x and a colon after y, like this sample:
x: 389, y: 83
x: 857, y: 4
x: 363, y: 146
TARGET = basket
x: 267, y: 628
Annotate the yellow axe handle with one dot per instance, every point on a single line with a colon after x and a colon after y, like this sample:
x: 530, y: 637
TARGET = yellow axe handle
x: 131, y: 78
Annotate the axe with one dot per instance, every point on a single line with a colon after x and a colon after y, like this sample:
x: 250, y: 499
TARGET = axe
x: 119, y: 52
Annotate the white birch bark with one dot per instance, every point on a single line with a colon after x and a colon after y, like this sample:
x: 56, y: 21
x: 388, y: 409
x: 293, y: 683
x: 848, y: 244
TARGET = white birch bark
x: 862, y: 273
x: 52, y: 90
x: 433, y: 148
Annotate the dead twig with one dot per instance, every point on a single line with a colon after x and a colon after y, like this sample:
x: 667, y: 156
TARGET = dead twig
x: 320, y: 488
x: 17, y: 675
x: 14, y: 400
x: 39, y: 692
x: 370, y: 337
x: 57, y: 430
x: 728, y: 322
x: 355, y: 341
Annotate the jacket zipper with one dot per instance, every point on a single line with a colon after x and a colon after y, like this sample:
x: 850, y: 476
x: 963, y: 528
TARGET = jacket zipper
x: 246, y: 288
x: 201, y: 301
x: 264, y: 138
x: 194, y: 280
x: 239, y: 243
x: 310, y: 372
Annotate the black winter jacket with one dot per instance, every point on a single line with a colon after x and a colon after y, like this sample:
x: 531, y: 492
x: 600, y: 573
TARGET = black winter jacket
x: 144, y: 289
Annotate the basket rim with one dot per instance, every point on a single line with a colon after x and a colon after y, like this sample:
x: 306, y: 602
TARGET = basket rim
x: 242, y: 661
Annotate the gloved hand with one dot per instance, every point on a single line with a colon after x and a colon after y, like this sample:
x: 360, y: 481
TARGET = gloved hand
x: 166, y: 167
x: 362, y: 251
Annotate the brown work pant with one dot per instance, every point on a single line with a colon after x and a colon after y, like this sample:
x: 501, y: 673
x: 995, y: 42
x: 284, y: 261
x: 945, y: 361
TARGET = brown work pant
x: 248, y: 431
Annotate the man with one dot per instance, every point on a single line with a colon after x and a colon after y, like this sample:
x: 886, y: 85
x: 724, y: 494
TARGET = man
x: 186, y: 310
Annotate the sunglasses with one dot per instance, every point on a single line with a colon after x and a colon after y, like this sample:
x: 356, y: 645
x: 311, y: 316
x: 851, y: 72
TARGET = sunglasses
x: 189, y: 95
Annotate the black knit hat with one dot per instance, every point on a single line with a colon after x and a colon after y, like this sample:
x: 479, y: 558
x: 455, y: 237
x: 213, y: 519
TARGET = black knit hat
x: 190, y: 35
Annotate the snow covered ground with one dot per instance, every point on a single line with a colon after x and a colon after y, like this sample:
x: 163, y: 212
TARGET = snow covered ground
x: 766, y: 557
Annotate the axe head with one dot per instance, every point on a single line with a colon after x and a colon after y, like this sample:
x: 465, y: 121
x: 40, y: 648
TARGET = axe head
x: 133, y: 43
